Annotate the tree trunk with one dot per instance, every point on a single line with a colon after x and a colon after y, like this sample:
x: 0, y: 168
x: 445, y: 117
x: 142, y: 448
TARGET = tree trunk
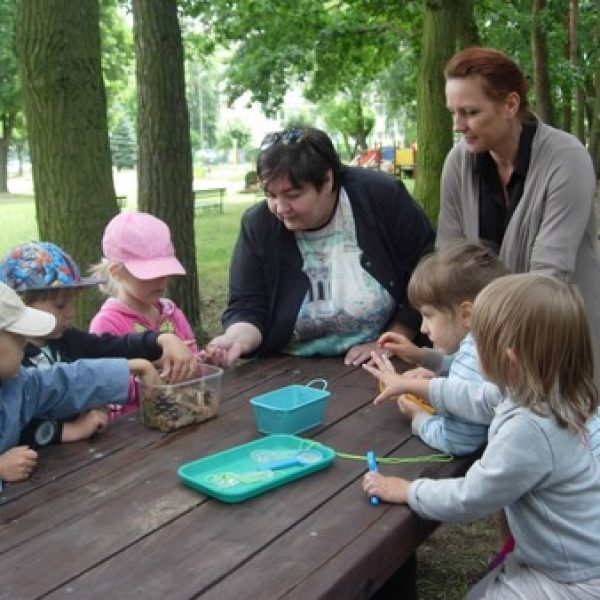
x: 434, y: 125
x: 165, y: 175
x: 7, y: 121
x: 594, y: 145
x: 575, y: 67
x: 541, y: 78
x: 467, y: 33
x: 58, y: 48
x: 566, y: 88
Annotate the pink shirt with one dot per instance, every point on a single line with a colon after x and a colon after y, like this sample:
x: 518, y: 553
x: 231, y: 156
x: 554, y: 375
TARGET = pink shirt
x: 117, y: 318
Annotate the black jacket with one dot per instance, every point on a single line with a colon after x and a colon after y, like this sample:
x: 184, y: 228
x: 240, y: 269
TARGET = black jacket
x: 75, y: 344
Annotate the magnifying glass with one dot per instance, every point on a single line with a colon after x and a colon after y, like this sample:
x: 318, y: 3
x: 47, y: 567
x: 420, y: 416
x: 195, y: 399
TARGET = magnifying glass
x: 305, y: 457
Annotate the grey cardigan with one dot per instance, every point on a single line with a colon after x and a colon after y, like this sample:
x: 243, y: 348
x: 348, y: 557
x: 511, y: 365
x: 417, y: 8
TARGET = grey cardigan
x: 553, y: 229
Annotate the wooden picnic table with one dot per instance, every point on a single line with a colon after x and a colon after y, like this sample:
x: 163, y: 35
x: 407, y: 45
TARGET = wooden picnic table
x: 109, y: 518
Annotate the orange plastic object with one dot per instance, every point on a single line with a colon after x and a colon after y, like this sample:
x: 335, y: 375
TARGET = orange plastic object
x: 412, y: 398
x: 420, y: 402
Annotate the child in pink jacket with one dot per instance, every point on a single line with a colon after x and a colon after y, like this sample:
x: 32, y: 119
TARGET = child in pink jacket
x: 138, y: 260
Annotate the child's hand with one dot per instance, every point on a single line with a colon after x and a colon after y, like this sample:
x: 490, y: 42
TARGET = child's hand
x: 85, y: 425
x: 144, y: 370
x: 419, y: 373
x: 390, y: 489
x: 409, y: 408
x: 17, y: 463
x: 383, y: 370
x: 178, y: 361
x: 401, y: 346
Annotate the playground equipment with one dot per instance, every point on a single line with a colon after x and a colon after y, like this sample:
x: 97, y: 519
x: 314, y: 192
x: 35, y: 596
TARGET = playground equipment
x: 398, y: 161
x: 405, y: 161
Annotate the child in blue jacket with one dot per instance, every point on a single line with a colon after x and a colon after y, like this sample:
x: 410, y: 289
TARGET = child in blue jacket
x: 57, y: 392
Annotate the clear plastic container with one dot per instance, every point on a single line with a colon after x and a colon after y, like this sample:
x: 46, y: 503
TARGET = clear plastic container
x: 171, y: 406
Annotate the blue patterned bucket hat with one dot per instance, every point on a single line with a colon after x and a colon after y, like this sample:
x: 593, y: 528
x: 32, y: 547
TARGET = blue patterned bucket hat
x: 41, y: 266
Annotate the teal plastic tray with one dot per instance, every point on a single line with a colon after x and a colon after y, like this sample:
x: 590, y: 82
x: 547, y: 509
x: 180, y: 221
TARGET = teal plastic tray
x: 242, y: 472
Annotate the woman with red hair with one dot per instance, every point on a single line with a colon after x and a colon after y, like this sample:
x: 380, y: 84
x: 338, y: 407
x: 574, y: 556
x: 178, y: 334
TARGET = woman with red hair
x: 516, y: 183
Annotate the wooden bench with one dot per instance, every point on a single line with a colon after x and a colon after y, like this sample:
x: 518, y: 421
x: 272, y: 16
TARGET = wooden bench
x: 209, y: 198
x: 405, y: 162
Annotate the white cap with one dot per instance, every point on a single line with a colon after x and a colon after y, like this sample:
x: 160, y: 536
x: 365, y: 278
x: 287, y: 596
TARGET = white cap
x: 18, y: 318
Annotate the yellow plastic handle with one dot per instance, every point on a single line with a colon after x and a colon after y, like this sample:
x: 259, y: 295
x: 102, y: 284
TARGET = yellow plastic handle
x: 420, y: 402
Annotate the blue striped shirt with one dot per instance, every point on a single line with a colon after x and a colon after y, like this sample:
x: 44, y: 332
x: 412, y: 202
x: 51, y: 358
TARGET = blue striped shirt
x: 449, y: 433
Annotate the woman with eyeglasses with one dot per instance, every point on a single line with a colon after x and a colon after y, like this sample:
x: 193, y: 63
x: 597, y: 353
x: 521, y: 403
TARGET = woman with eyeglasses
x: 321, y: 266
x: 513, y: 181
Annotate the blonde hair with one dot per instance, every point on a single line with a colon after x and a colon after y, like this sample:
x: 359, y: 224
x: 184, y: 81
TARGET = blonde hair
x: 101, y: 270
x: 542, y: 320
x: 448, y: 277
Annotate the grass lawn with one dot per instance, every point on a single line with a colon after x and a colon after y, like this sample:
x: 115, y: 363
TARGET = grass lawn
x: 215, y: 238
x: 455, y: 556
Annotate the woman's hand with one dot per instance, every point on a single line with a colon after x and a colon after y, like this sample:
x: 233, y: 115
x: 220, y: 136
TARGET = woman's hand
x: 178, y: 362
x: 240, y: 338
x: 223, y: 351
x: 390, y: 489
x: 399, y: 345
x: 360, y: 354
x: 17, y: 463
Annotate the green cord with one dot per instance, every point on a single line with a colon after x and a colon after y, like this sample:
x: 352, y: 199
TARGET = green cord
x: 393, y: 460
x: 384, y: 460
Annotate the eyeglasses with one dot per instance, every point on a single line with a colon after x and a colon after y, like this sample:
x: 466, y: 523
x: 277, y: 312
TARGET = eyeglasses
x: 287, y: 136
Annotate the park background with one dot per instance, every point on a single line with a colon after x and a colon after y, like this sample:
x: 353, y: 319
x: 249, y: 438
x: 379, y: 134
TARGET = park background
x: 151, y: 100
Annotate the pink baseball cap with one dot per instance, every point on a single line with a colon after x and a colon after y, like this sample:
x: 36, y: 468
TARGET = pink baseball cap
x: 143, y: 244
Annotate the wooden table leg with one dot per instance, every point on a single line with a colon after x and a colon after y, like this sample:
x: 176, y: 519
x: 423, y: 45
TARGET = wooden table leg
x: 402, y: 584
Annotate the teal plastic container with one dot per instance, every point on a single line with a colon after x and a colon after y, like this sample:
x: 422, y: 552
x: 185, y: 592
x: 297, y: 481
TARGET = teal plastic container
x: 291, y: 409
x: 242, y: 472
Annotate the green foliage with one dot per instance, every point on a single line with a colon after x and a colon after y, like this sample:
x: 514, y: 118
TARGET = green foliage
x: 118, y: 63
x: 123, y: 145
x: 235, y: 134
x: 301, y: 117
x: 507, y: 26
x: 329, y: 47
x: 347, y: 117
x: 10, y: 88
x: 203, y: 101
